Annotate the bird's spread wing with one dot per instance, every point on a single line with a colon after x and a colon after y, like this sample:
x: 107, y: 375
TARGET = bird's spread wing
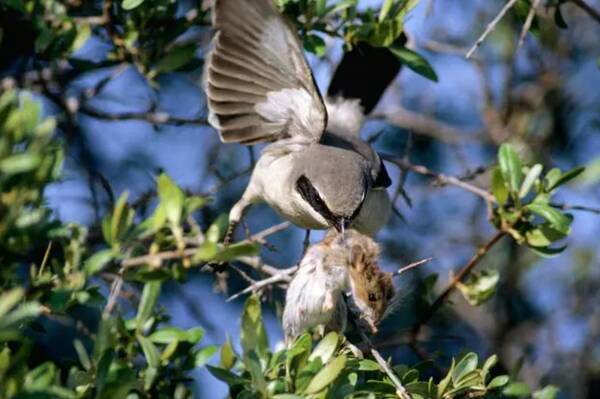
x: 259, y: 85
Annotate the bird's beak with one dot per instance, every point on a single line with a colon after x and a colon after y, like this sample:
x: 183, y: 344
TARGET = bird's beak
x: 342, y: 224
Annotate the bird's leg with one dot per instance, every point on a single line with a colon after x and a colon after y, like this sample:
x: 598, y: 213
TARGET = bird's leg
x: 235, y: 216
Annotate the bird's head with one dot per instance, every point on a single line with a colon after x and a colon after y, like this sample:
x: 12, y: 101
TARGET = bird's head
x: 335, y: 187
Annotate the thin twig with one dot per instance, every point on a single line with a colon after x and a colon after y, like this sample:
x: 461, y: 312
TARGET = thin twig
x: 588, y: 9
x: 425, y: 126
x: 155, y: 118
x: 284, y: 275
x: 158, y: 258
x: 491, y: 26
x: 440, y: 177
x: 528, y: 23
x: 406, y: 268
x: 459, y: 277
x: 400, y: 390
x: 115, y: 291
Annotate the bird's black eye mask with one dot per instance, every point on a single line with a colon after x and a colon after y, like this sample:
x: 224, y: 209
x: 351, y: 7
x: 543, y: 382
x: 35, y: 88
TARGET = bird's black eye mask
x: 383, y: 178
x: 309, y: 193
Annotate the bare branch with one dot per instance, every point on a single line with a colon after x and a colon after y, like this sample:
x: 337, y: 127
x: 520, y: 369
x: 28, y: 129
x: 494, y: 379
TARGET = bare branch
x: 158, y: 258
x: 441, y: 178
x: 406, y: 268
x: 385, y: 367
x: 458, y: 278
x: 155, y: 118
x: 491, y: 26
x: 528, y: 23
x: 283, y: 275
x: 426, y: 126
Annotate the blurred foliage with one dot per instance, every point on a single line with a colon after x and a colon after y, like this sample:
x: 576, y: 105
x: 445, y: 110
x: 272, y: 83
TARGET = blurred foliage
x: 114, y: 356
x: 330, y: 369
x: 72, y: 276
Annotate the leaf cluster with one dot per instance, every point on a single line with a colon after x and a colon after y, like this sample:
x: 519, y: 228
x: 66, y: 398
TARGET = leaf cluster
x: 331, y: 369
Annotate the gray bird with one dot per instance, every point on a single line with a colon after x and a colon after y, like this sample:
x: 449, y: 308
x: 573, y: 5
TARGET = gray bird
x: 316, y: 172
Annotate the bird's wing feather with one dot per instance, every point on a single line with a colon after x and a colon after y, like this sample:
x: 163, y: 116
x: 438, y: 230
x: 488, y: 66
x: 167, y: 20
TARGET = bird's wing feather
x: 258, y: 83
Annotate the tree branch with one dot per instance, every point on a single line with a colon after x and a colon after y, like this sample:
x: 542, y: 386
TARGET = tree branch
x: 158, y: 258
x: 491, y: 26
x: 528, y: 22
x: 400, y: 390
x: 155, y: 118
x: 425, y: 126
x: 440, y: 177
x: 458, y: 278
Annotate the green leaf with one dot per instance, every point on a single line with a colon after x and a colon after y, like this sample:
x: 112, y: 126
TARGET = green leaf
x: 147, y: 302
x: 487, y: 366
x: 218, y: 228
x: 19, y: 163
x: 204, y: 355
x: 368, y: 365
x: 415, y: 62
x: 517, y: 389
x: 206, y: 252
x: 547, y: 252
x: 131, y: 4
x: 150, y: 351
x: 499, y: 187
x: 193, y: 203
x: 236, y: 251
x: 510, y: 166
x: 566, y: 177
x: 167, y: 335
x: 325, y: 348
x: 175, y: 59
x: 557, y: 219
x: 253, y: 335
x: 498, y: 382
x: 82, y: 354
x: 121, y: 219
x: 226, y: 376
x: 530, y: 179
x: 327, y: 375
x: 549, y: 392
x: 171, y: 197
x: 543, y: 235
x: 385, y: 9
x: 467, y: 364
x: 253, y: 365
x: 480, y: 286
x: 194, y: 335
x: 445, y: 382
x: 9, y: 300
x: 315, y: 44
x: 227, y: 355
x: 21, y: 315
x: 96, y: 262
x: 552, y: 178
x: 84, y: 31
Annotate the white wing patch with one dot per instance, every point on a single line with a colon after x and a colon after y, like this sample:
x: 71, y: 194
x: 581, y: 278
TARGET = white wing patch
x: 345, y: 116
x: 289, y: 106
